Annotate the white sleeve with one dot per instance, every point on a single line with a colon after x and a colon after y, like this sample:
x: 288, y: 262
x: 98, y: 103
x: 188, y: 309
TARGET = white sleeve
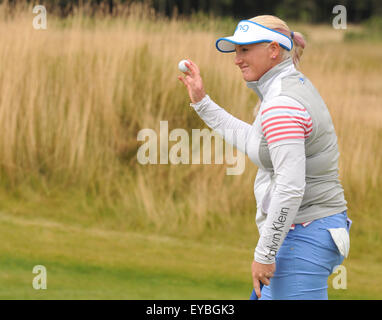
x: 284, y: 120
x: 285, y: 125
x: 233, y: 130
x: 289, y: 169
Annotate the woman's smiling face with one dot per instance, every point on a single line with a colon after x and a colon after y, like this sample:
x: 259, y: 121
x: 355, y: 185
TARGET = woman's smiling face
x: 256, y: 59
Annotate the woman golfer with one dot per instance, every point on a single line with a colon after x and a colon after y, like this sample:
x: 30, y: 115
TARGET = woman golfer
x: 301, y: 209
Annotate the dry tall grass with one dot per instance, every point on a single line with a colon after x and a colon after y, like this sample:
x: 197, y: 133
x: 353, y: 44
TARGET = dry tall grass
x: 73, y: 98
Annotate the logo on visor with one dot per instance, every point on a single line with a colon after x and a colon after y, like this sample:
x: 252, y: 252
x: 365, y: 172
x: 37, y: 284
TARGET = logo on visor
x: 243, y: 27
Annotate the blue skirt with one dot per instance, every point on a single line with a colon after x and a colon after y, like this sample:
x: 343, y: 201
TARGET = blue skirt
x: 305, y: 260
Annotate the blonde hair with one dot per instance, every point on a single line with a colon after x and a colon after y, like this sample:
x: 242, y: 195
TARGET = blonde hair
x: 299, y: 43
x: 279, y: 25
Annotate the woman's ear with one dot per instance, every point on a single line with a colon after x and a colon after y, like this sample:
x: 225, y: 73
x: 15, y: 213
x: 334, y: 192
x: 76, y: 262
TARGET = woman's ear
x: 274, y: 50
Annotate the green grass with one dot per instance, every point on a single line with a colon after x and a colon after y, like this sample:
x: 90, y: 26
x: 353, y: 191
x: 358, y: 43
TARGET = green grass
x: 86, y: 281
x: 96, y: 263
x: 74, y: 198
x: 85, y: 263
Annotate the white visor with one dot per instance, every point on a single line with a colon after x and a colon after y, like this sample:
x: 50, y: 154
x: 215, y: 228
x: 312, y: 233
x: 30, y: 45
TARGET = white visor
x: 248, y: 32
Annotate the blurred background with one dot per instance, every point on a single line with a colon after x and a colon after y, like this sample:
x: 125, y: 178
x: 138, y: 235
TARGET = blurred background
x: 73, y: 97
x: 312, y: 11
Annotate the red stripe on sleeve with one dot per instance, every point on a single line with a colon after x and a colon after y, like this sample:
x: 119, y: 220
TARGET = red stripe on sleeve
x: 283, y: 124
x: 290, y: 121
x: 286, y: 117
x: 280, y: 128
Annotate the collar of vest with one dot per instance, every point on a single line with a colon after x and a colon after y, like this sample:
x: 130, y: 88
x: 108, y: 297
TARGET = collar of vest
x: 262, y: 85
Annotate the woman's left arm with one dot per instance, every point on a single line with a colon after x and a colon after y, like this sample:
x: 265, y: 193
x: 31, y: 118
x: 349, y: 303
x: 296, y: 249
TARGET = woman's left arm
x: 289, y: 167
x: 285, y: 127
x: 289, y: 170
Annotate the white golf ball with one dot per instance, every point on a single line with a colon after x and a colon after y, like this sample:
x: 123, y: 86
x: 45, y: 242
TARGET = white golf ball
x: 182, y: 66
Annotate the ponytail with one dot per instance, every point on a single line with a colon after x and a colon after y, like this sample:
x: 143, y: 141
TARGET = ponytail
x: 298, y: 47
x: 275, y: 23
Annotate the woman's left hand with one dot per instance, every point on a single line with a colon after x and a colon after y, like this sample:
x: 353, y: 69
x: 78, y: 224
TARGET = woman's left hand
x: 262, y: 272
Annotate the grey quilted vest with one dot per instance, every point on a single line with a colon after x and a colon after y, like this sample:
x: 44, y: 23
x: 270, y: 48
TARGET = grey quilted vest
x: 324, y: 194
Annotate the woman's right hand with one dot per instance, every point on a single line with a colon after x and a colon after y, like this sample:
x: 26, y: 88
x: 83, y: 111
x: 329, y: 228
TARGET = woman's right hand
x: 193, y: 82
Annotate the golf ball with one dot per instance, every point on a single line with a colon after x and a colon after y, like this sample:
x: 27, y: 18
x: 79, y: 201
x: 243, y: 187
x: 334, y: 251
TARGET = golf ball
x: 182, y: 66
